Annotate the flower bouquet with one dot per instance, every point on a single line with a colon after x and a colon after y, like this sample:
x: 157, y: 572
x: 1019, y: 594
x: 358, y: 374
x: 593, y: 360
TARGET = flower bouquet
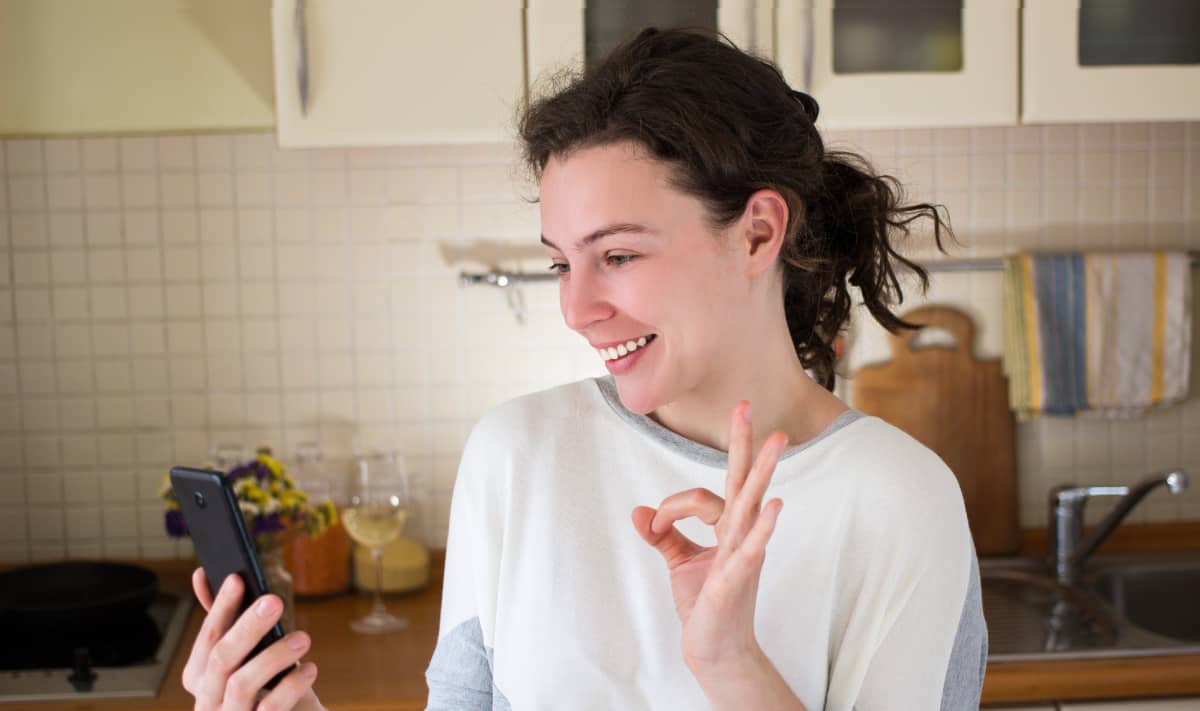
x: 274, y: 509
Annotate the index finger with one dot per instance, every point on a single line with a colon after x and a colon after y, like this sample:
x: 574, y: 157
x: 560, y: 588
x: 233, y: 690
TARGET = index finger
x: 740, y: 442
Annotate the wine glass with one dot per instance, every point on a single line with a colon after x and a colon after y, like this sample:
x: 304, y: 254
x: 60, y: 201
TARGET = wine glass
x: 376, y: 516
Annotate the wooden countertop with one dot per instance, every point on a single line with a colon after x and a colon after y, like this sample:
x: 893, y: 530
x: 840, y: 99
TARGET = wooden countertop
x: 356, y: 672
x: 386, y: 673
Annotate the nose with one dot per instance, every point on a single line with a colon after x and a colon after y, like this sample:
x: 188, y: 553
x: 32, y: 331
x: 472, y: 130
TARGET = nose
x: 582, y: 300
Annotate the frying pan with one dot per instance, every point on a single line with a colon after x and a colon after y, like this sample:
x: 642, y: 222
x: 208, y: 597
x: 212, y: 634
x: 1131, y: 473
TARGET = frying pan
x: 74, y: 592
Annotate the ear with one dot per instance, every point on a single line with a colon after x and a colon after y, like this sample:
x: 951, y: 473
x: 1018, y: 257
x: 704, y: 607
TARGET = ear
x: 763, y: 227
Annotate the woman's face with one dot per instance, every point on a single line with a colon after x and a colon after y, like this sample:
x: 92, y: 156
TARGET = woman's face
x: 637, y: 260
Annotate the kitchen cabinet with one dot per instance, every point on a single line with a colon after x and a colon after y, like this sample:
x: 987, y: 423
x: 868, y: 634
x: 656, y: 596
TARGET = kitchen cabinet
x: 1110, y: 60
x: 878, y: 63
x: 381, y: 72
x: 569, y: 33
x: 84, y: 67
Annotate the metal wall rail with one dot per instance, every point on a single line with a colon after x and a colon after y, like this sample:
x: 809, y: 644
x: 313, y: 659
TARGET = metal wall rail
x: 503, y: 279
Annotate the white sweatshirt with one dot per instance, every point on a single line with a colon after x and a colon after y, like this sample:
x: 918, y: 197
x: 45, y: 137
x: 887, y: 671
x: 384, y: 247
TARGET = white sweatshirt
x: 869, y: 596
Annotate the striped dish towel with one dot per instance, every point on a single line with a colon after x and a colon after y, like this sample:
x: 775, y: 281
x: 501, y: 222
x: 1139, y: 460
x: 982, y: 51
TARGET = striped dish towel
x: 1097, y: 334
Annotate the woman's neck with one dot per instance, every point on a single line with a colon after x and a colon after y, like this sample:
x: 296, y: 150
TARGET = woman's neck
x: 789, y: 401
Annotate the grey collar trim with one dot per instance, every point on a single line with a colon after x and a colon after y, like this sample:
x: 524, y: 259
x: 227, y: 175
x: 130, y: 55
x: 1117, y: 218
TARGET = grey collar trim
x: 695, y: 451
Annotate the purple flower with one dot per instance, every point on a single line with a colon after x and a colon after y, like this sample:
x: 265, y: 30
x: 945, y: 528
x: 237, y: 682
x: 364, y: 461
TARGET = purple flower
x: 267, y: 524
x: 176, y: 526
x: 242, y: 470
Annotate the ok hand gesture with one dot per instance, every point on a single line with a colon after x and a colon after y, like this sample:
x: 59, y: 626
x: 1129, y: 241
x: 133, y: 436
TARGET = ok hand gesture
x: 715, y: 587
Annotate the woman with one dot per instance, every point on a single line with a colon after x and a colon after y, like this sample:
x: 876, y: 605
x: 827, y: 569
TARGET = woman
x: 705, y: 241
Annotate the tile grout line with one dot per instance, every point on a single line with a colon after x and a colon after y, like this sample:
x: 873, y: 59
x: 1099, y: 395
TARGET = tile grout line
x: 281, y: 423
x: 12, y: 308
x: 161, y: 241
x: 87, y: 280
x: 53, y: 333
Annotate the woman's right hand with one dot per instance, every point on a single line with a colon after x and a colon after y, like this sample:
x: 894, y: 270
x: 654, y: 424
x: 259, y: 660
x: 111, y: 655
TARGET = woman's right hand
x: 214, y: 672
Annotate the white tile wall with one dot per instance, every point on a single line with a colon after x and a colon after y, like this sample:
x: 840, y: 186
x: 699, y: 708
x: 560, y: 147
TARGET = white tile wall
x: 160, y: 295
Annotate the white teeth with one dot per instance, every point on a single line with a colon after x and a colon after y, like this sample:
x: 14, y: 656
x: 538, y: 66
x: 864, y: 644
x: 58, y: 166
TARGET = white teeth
x: 622, y: 349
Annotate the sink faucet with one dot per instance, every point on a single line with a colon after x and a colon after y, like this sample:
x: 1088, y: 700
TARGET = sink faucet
x: 1068, y: 547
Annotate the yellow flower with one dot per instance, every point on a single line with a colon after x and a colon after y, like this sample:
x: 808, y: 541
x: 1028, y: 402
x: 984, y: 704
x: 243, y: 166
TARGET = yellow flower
x: 272, y: 464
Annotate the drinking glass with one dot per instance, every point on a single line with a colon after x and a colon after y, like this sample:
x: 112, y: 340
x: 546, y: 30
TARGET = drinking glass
x: 376, y: 516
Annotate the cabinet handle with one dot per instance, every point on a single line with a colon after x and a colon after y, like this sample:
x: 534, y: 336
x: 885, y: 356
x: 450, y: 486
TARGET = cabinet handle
x: 300, y: 29
x: 808, y: 36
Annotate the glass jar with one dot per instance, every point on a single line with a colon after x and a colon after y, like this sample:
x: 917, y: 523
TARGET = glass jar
x: 279, y: 580
x: 321, y: 565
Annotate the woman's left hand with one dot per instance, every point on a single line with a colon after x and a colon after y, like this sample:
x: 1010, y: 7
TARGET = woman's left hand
x: 715, y: 587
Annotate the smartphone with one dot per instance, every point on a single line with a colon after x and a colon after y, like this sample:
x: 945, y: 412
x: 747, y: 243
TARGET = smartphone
x: 222, y: 543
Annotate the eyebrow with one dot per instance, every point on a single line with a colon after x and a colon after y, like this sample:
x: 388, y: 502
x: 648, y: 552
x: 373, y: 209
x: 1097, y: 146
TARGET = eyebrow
x: 617, y: 228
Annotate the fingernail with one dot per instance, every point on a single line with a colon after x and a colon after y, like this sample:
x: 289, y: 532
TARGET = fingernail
x: 265, y: 607
x: 297, y: 641
x: 746, y: 412
x: 309, y: 671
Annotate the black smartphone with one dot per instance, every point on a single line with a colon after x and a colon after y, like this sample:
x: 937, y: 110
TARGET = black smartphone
x: 223, y: 545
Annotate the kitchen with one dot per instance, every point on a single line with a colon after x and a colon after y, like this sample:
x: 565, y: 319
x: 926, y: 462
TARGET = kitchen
x: 214, y: 237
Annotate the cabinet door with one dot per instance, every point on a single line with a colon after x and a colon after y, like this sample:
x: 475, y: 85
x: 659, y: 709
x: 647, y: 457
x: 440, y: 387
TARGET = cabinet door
x: 132, y: 66
x: 568, y: 33
x: 884, y: 64
x: 382, y: 72
x: 1111, y: 60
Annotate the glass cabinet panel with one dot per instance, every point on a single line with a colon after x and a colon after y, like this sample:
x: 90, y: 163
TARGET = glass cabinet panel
x: 1125, y: 32
x: 607, y: 23
x: 572, y: 33
x: 894, y: 64
x: 1110, y: 60
x: 885, y: 36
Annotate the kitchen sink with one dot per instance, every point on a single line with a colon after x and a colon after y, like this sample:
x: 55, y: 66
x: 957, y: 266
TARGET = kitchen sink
x: 1159, y: 597
x: 1129, y: 605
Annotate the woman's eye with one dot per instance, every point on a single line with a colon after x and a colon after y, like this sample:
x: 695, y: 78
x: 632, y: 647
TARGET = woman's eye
x: 615, y: 260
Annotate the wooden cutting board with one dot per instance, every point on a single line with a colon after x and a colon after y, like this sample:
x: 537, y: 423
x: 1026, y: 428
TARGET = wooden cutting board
x: 957, y: 406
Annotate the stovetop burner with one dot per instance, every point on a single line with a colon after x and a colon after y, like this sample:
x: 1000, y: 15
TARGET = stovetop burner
x: 115, y: 642
x: 119, y: 657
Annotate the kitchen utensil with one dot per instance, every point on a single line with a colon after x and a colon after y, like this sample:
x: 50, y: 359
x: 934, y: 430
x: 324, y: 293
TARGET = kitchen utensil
x: 957, y: 405
x: 75, y: 591
x: 405, y: 567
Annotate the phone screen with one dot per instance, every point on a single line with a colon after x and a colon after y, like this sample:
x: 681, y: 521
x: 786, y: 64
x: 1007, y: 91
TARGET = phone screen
x: 223, y: 545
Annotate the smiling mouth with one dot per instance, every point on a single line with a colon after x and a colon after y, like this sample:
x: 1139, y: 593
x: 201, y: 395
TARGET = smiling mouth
x: 624, y: 349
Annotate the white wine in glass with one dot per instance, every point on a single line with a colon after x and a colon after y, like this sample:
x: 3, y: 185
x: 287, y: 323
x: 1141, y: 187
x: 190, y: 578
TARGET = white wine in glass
x: 376, y: 516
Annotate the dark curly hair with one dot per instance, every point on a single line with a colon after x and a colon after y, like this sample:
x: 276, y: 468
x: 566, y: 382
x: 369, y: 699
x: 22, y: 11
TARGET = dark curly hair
x: 727, y: 124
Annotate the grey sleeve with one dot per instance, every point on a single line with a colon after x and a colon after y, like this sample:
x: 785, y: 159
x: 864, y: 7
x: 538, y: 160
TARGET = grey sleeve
x: 460, y: 673
x: 968, y: 657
